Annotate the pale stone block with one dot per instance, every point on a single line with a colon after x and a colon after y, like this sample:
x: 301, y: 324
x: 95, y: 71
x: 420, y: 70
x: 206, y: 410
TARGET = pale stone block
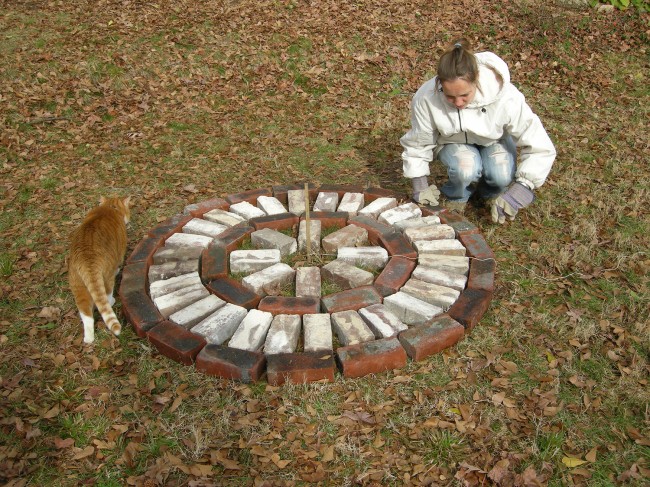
x: 315, y: 232
x: 172, y: 269
x: 268, y: 238
x: 368, y: 257
x: 187, y: 240
x: 442, y: 278
x: 223, y: 217
x: 430, y: 232
x: 410, y: 310
x: 166, y: 254
x: 381, y: 321
x: 246, y: 210
x: 220, y: 325
x: 296, y: 200
x: 198, y: 226
x: 400, y: 213
x: 447, y: 263
x: 270, y: 205
x: 434, y: 294
x: 346, y: 275
x: 351, y: 203
x: 283, y: 334
x: 326, y: 201
x: 417, y: 222
x: 249, y: 261
x: 196, y: 312
x: 348, y: 236
x: 168, y: 304
x: 441, y: 247
x: 308, y: 284
x: 350, y: 328
x: 317, y: 332
x: 251, y: 332
x: 375, y: 208
x: 166, y: 286
x: 270, y: 280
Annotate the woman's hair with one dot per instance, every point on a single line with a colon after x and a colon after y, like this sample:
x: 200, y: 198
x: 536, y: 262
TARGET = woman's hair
x: 458, y: 62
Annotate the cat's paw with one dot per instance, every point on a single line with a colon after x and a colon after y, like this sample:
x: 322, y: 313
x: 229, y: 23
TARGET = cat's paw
x: 89, y: 339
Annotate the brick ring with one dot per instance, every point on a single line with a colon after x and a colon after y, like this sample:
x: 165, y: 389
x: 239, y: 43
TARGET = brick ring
x: 433, y: 280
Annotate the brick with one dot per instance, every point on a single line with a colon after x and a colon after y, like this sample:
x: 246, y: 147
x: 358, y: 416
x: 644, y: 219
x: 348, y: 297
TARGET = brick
x: 348, y: 236
x: 187, y: 240
x: 371, y: 357
x: 231, y: 363
x: 166, y: 286
x: 144, y: 250
x: 350, y: 328
x: 374, y: 208
x: 422, y: 221
x: 470, y: 307
x: 481, y: 274
x: 251, y: 333
x: 373, y: 227
x: 175, y: 342
x: 168, y: 304
x: 196, y: 312
x: 224, y: 217
x: 351, y: 299
x: 134, y: 278
x: 345, y: 275
x: 281, y: 191
x: 270, y: 281
x: 425, y: 340
x: 281, y: 221
x: 314, y: 237
x: 198, y: 226
x: 308, y: 282
x: 296, y: 201
x: 476, y: 246
x: 458, y: 223
x: 447, y: 263
x: 397, y: 246
x: 317, y: 336
x: 165, y: 254
x: 300, y: 368
x: 250, y: 261
x: 428, y: 210
x: 326, y: 201
x: 270, y: 205
x: 249, y: 196
x: 214, y: 262
x: 371, y: 194
x: 351, y: 203
x: 394, y: 276
x: 440, y: 247
x: 410, y: 310
x: 453, y: 280
x: 381, y: 321
x: 435, y: 294
x: 220, y: 325
x: 171, y: 269
x: 430, y: 232
x: 140, y: 311
x: 234, y: 292
x: 329, y: 219
x: 341, y: 189
x: 267, y: 238
x: 169, y: 227
x: 366, y: 257
x: 402, y: 212
x: 234, y: 236
x: 289, y: 305
x: 283, y: 334
x: 246, y: 210
x: 197, y: 210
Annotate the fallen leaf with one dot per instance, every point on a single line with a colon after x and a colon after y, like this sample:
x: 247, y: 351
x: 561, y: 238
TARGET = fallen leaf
x: 572, y: 462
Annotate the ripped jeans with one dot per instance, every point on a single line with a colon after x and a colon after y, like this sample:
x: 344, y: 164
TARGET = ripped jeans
x: 492, y: 167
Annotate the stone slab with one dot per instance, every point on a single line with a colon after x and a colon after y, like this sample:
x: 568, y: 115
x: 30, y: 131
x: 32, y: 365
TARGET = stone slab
x: 270, y: 205
x: 246, y: 210
x: 231, y: 363
x: 167, y: 254
x: 175, y: 342
x: 440, y: 247
x: 402, y: 212
x: 422, y: 221
x: 447, y: 263
x: 394, y: 276
x: 440, y: 296
x: 367, y: 257
x: 351, y: 203
x: 187, y: 240
x: 351, y: 299
x: 296, y: 201
x: 177, y: 300
x: 430, y: 232
x: 172, y: 269
x: 300, y: 368
x: 422, y: 341
x: 445, y: 278
x: 314, y: 236
x: 162, y: 287
x: 326, y: 202
x: 371, y: 357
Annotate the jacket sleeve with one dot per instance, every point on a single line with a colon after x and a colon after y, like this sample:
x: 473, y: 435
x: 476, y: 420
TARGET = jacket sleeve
x: 537, y: 152
x: 418, y: 142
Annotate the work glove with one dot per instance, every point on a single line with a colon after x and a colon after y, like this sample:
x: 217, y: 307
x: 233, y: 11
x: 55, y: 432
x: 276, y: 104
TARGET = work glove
x: 423, y: 193
x: 516, y: 197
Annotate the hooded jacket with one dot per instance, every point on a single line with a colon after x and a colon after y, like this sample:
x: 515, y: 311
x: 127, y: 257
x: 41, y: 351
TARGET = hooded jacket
x: 497, y: 110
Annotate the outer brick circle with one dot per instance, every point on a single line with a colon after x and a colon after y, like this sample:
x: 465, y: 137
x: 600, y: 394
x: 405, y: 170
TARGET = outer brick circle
x: 416, y: 343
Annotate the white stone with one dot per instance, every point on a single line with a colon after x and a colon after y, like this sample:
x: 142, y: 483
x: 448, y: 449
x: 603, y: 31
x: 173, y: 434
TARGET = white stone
x: 434, y: 294
x: 417, y: 222
x: 165, y: 254
x: 442, y: 278
x: 317, y: 332
x: 348, y: 236
x: 220, y: 325
x: 223, y: 217
x: 346, y: 275
x: 198, y: 226
x: 441, y: 247
x: 283, y: 334
x: 166, y: 286
x: 168, y: 304
x: 381, y: 321
x: 351, y: 203
x: 249, y: 261
x: 171, y: 269
x: 270, y: 205
x: 350, y: 328
x: 196, y: 312
x: 430, y: 232
x: 410, y: 310
x: 296, y: 200
x: 270, y: 280
x: 308, y: 282
x: 251, y: 333
x: 369, y: 257
x: 447, y: 263
x: 400, y: 213
x: 326, y: 201
x: 187, y: 240
x: 268, y: 238
x: 315, y: 233
x: 246, y: 210
x: 375, y: 208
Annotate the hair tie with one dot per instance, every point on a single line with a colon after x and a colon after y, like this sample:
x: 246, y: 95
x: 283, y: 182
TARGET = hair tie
x: 458, y: 45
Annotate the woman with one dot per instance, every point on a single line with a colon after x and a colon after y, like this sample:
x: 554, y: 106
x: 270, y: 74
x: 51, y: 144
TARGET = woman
x: 472, y: 119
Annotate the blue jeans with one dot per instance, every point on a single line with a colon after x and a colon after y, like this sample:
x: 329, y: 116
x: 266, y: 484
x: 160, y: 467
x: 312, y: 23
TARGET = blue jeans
x: 492, y: 167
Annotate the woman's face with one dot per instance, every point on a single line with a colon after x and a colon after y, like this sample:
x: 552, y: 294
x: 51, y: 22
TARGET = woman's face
x: 459, y: 92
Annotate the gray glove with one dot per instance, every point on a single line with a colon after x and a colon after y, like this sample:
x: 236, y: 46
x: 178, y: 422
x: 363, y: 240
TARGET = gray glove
x: 423, y: 193
x: 516, y: 197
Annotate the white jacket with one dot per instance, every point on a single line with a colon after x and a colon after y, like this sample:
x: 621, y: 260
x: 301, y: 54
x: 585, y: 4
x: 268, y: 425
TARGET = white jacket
x: 495, y: 111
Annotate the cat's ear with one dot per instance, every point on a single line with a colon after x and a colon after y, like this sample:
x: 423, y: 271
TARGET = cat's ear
x: 127, y: 201
x: 102, y: 200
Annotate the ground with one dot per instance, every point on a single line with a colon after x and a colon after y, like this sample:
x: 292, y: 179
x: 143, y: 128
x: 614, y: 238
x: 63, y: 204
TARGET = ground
x: 179, y: 102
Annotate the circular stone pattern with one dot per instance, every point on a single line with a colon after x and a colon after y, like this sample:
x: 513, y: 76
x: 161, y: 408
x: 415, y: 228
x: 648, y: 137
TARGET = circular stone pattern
x: 410, y: 281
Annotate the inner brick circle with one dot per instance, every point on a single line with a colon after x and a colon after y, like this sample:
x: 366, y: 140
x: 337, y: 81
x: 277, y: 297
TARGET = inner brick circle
x: 422, y: 295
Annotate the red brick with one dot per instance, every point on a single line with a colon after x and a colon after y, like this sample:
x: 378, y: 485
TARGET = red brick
x: 300, y: 368
x: 329, y: 219
x: 351, y: 299
x: 340, y: 189
x: 397, y: 245
x: 249, y: 196
x: 394, y: 276
x: 231, y: 363
x: 470, y: 307
x: 432, y: 337
x: 374, y: 228
x: 481, y: 274
x: 137, y: 307
x: 169, y: 227
x: 458, y: 222
x: 214, y: 262
x: 144, y: 250
x: 234, y: 292
x: 134, y: 278
x: 197, y: 210
x: 176, y: 342
x: 431, y: 210
x: 281, y: 221
x: 371, y: 357
x: 371, y: 194
x: 232, y: 237
x: 476, y: 245
x: 289, y: 305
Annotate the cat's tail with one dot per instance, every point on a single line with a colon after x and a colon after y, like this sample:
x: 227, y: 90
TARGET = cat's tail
x: 95, y: 286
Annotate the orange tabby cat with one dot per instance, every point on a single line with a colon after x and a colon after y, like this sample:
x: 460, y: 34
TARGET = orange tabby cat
x: 97, y: 249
